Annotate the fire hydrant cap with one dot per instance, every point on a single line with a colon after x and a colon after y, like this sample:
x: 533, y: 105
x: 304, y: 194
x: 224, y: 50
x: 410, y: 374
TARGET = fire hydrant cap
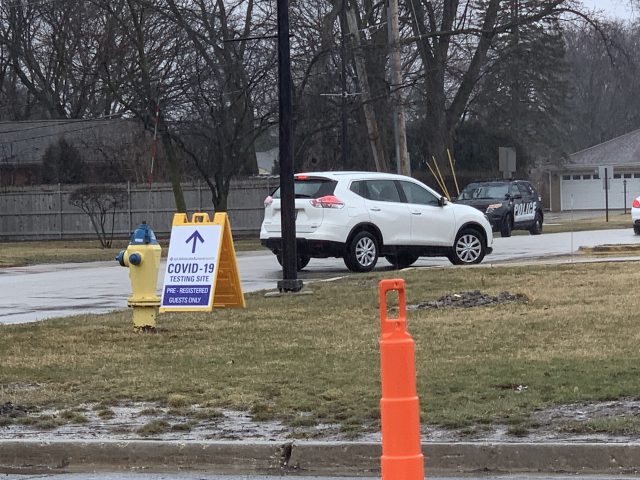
x: 143, y: 235
x: 135, y: 259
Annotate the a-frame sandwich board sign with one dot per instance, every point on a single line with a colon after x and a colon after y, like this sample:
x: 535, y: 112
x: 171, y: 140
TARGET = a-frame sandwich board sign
x: 202, y: 271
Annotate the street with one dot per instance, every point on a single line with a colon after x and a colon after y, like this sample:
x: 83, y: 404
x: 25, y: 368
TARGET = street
x: 204, y: 476
x: 43, y: 291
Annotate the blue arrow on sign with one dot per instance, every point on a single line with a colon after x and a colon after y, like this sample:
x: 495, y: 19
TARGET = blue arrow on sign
x: 195, y: 236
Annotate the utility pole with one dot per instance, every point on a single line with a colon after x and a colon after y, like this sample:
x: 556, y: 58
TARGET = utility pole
x: 290, y: 281
x: 400, y: 129
x: 343, y: 55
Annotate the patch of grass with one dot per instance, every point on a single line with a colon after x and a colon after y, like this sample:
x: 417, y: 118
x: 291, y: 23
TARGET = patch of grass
x: 182, y: 427
x: 207, y: 414
x: 5, y: 421
x: 154, y: 427
x: 177, y: 401
x: 283, y: 358
x: 42, y: 422
x: 106, y: 414
x: 610, y: 425
x: 73, y: 416
x: 150, y: 412
x: 616, y: 220
x: 56, y: 251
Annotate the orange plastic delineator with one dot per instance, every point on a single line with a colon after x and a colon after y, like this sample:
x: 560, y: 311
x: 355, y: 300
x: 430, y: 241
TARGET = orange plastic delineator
x: 402, y: 457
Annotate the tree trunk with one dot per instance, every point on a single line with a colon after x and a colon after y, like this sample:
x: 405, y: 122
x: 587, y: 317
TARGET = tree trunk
x: 373, y: 132
x: 174, y: 173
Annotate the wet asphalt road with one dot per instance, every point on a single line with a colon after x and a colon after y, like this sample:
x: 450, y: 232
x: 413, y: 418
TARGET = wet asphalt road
x: 45, y: 291
x: 201, y: 476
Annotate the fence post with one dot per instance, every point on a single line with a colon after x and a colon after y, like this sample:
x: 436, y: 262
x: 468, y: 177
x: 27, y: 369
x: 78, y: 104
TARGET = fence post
x: 129, y: 206
x: 60, y: 209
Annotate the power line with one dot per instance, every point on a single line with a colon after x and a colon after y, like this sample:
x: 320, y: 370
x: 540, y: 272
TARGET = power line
x: 18, y: 140
x: 57, y: 123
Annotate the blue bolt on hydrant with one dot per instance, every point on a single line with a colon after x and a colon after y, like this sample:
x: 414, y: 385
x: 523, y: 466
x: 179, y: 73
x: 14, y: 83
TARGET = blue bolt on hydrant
x: 142, y: 256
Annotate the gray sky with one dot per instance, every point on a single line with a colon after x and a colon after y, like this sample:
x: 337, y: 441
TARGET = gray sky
x: 615, y: 8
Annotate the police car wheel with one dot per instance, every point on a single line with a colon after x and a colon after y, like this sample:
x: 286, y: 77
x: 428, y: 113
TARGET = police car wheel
x: 505, y: 229
x: 468, y: 249
x: 536, y: 229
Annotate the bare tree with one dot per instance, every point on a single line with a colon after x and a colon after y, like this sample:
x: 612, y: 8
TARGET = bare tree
x: 453, y: 40
x: 100, y: 204
x: 142, y: 73
x: 226, y: 106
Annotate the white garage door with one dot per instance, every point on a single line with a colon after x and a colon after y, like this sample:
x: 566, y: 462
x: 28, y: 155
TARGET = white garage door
x: 584, y: 192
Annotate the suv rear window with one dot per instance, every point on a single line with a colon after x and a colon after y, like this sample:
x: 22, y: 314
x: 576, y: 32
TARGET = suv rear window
x: 310, y: 188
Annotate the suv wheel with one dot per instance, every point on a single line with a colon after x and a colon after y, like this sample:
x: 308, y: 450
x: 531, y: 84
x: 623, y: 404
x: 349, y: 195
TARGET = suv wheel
x: 505, y: 229
x: 362, y: 252
x: 402, y: 260
x: 468, y: 249
x: 536, y: 228
x: 636, y: 229
x: 303, y: 260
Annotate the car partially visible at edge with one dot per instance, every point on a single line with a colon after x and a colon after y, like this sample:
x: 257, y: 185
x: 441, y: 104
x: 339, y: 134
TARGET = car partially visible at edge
x: 635, y: 215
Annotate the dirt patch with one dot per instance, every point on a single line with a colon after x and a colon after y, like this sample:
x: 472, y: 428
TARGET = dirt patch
x: 135, y: 421
x: 611, y: 249
x: 10, y: 410
x: 474, y: 298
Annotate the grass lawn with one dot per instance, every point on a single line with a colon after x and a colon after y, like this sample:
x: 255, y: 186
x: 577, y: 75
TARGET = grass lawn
x: 616, y: 220
x: 314, y: 358
x: 15, y: 254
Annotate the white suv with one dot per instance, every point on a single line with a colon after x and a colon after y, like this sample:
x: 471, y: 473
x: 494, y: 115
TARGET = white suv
x: 359, y: 216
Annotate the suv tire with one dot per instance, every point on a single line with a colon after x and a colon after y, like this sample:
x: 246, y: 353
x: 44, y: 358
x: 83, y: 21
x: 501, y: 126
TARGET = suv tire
x: 536, y: 228
x: 402, y: 260
x: 505, y: 229
x: 468, y: 249
x: 362, y: 252
x: 303, y: 261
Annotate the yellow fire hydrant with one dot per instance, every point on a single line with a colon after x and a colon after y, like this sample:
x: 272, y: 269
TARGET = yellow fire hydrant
x: 142, y: 256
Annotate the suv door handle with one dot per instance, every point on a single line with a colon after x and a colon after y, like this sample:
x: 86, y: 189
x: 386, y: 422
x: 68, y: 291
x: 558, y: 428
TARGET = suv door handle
x: 375, y: 209
x: 416, y: 213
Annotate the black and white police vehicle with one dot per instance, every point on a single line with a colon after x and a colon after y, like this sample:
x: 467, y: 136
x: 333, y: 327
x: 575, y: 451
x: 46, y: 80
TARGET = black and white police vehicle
x: 508, y: 204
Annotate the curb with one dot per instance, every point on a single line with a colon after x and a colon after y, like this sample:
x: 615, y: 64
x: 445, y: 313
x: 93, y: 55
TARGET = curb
x: 320, y: 458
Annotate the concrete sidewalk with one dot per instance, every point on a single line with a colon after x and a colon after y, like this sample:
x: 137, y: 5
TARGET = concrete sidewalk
x: 305, y: 458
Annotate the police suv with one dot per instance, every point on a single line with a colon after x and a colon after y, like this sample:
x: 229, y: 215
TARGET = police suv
x: 508, y: 204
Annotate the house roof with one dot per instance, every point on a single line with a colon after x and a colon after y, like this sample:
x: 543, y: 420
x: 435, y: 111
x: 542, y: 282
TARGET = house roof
x: 620, y: 151
x: 24, y: 143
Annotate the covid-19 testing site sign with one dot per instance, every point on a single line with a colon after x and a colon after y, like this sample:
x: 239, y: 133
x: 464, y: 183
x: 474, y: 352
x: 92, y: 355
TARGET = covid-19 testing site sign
x: 201, y: 269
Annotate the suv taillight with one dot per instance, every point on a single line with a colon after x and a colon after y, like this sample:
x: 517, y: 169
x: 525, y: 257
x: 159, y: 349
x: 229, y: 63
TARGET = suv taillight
x: 636, y: 203
x: 268, y: 201
x: 328, y: 201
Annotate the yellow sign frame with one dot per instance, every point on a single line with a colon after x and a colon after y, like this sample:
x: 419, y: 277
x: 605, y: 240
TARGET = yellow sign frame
x: 226, y: 287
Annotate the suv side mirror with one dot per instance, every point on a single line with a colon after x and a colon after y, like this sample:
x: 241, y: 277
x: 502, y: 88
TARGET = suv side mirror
x: 442, y: 201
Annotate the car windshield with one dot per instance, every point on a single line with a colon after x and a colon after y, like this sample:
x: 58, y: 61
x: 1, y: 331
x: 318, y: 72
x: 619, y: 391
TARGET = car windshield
x: 477, y: 191
x: 310, y: 188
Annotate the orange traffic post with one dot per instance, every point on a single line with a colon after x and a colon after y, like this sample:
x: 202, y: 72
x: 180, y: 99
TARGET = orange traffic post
x: 399, y: 406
